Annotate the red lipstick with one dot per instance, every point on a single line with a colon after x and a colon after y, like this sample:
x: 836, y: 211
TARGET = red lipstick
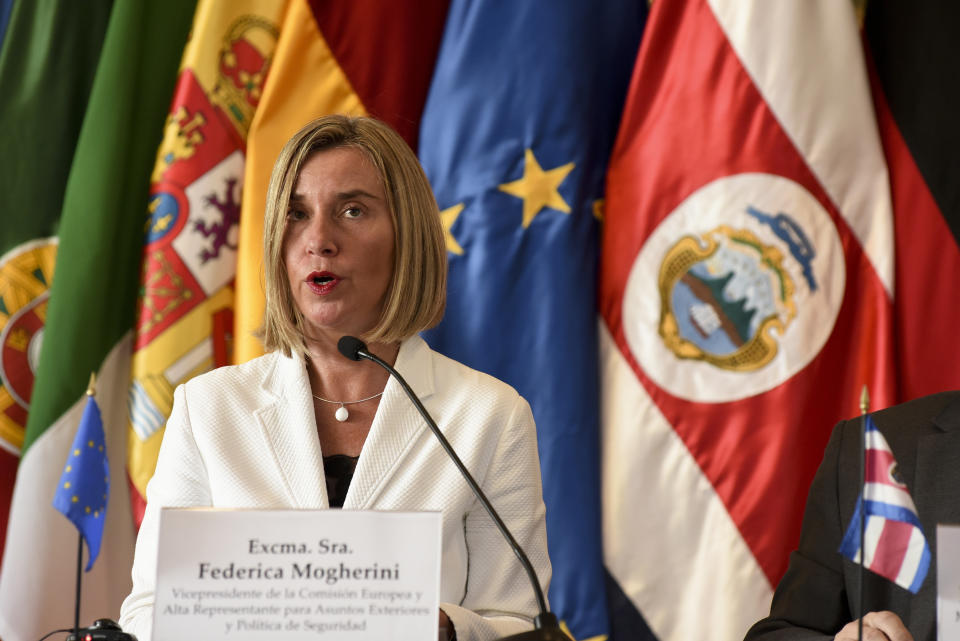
x: 322, y: 283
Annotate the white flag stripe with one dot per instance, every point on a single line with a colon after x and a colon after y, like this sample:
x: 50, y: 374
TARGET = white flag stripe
x: 875, y: 441
x: 911, y: 560
x: 39, y: 563
x: 873, y: 530
x: 888, y: 494
x: 657, y: 502
x: 823, y: 104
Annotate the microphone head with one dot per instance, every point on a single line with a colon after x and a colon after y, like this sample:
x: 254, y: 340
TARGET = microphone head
x: 351, y: 347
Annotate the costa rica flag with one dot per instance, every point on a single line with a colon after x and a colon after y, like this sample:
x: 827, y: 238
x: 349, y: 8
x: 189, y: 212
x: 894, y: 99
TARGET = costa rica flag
x: 894, y: 544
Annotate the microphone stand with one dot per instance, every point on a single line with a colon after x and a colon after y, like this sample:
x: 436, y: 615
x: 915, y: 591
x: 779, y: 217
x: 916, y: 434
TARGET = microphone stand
x: 546, y: 625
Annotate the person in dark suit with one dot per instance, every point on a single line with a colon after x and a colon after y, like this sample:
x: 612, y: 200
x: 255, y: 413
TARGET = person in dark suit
x: 817, y: 597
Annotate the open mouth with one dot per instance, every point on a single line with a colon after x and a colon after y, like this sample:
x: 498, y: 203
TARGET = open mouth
x: 323, y: 282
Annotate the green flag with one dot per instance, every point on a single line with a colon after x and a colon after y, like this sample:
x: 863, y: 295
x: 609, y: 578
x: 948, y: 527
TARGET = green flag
x: 90, y: 312
x: 46, y: 70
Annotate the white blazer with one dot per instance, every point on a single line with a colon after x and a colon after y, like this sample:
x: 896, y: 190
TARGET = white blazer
x: 245, y: 437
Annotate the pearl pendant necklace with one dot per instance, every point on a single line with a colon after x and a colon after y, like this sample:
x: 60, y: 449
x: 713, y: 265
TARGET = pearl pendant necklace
x: 342, y: 414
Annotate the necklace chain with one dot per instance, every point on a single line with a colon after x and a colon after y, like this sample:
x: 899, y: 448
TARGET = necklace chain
x: 342, y: 403
x: 342, y: 414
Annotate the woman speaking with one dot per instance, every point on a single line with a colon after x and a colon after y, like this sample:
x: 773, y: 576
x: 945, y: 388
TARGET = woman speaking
x: 353, y: 246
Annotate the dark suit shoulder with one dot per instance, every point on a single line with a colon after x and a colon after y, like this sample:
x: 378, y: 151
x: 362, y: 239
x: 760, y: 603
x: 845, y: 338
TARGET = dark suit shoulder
x: 813, y: 600
x: 905, y: 424
x: 920, y: 412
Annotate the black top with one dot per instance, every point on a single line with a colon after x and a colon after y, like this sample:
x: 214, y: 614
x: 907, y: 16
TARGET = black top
x: 338, y: 469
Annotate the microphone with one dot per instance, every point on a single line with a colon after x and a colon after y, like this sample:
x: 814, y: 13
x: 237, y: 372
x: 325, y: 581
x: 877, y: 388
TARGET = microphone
x: 546, y: 626
x: 351, y: 347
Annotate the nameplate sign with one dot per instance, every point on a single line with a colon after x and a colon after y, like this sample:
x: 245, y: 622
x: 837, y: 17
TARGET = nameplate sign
x: 948, y: 581
x: 297, y: 574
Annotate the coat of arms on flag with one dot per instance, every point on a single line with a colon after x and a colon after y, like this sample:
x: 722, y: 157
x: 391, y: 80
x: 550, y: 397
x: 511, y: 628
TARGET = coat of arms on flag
x: 894, y: 544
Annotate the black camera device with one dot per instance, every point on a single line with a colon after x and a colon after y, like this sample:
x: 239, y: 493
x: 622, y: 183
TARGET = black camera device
x: 102, y: 630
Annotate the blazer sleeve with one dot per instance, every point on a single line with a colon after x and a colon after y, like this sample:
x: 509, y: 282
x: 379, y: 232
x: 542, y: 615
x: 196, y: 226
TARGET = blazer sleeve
x: 499, y: 599
x: 811, y: 600
x: 180, y: 480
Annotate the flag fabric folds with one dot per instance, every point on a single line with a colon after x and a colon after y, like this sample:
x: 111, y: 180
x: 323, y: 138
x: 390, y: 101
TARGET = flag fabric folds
x: 45, y: 91
x: 359, y: 58
x: 184, y: 320
x: 89, y: 314
x: 755, y: 254
x: 747, y: 266
x: 518, y: 124
x: 916, y: 94
x: 85, y: 483
x: 5, y: 7
x: 894, y: 544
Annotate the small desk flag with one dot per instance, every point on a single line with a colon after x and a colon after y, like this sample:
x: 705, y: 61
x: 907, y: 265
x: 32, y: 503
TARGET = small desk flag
x: 85, y: 483
x: 896, y: 548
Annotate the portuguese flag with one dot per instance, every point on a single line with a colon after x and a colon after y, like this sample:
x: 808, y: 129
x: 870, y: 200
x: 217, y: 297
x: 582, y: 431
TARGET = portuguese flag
x: 94, y: 286
x: 45, y: 93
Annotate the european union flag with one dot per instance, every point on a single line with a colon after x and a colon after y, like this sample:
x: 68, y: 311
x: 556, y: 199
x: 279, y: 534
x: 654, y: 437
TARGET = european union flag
x: 516, y: 133
x: 85, y: 482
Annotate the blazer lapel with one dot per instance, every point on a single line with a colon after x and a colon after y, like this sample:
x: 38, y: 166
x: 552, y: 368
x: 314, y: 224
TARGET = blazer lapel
x: 394, y: 427
x: 290, y: 430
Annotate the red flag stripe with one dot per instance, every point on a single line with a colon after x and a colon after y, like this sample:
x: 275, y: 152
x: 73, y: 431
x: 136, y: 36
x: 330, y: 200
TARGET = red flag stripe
x: 891, y: 548
x: 8, y: 474
x: 387, y: 50
x: 925, y: 248
x: 879, y: 464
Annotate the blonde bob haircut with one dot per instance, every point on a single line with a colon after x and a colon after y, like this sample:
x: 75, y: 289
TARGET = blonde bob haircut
x: 416, y: 296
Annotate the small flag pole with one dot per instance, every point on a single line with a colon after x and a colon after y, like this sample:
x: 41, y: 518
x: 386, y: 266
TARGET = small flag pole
x: 76, y: 606
x: 91, y: 389
x: 864, y: 406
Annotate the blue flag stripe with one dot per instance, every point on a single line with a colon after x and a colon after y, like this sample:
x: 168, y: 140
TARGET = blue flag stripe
x: 851, y: 539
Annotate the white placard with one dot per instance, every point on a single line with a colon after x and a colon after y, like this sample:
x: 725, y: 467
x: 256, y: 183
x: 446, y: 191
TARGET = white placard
x: 948, y: 581
x: 243, y: 575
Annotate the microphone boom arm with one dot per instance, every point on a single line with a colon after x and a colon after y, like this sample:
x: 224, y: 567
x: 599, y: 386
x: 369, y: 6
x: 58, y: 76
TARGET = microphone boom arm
x: 484, y: 501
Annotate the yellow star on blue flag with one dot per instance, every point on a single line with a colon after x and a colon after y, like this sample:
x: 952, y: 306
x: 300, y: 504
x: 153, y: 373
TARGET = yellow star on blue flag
x: 85, y: 483
x: 538, y: 188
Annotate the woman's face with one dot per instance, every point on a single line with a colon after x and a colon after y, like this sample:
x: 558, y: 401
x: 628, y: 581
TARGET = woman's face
x: 338, y: 244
